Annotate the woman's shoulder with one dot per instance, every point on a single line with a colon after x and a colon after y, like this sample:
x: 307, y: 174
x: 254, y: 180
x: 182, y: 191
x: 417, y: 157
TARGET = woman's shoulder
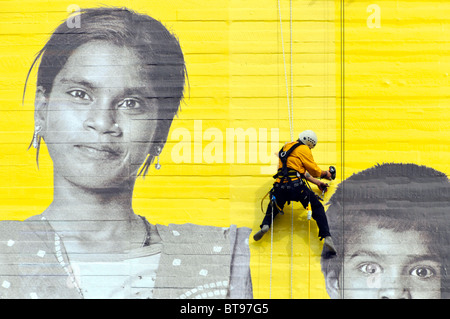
x: 28, y: 231
x: 200, y: 232
x: 11, y: 228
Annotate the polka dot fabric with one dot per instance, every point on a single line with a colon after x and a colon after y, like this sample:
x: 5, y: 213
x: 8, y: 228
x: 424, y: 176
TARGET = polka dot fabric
x: 196, y: 262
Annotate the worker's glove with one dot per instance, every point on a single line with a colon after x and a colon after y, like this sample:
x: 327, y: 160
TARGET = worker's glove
x: 323, y: 186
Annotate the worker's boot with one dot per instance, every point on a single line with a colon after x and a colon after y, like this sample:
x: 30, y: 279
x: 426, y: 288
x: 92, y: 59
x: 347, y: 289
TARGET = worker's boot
x: 260, y: 234
x: 328, y: 242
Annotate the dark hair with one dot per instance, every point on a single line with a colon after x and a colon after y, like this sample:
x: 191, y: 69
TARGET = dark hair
x: 158, y: 49
x: 392, y: 196
x: 150, y: 39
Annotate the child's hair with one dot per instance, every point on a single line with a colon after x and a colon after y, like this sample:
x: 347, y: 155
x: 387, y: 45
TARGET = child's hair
x: 393, y: 196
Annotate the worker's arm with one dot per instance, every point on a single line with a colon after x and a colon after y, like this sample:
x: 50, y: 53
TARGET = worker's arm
x: 326, y: 175
x: 313, y: 180
x: 310, y: 165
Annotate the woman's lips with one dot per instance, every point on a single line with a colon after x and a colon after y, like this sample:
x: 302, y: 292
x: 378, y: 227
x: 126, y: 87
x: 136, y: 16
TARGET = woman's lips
x: 98, y: 151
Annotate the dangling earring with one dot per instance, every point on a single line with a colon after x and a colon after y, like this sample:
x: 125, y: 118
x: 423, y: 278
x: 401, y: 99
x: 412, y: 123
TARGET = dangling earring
x: 158, y: 151
x: 36, y: 142
x: 149, y: 161
x: 36, y: 138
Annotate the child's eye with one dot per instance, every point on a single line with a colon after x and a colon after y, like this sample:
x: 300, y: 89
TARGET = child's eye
x: 129, y: 104
x: 80, y: 94
x: 370, y: 268
x: 423, y: 272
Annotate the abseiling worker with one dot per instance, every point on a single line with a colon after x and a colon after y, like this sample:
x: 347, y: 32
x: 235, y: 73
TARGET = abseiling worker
x: 297, y: 167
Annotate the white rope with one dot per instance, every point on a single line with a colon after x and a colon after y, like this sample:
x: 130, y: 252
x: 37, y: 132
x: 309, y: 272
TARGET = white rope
x: 290, y: 103
x: 291, y: 114
x: 271, y: 250
x: 291, y: 125
x: 290, y: 109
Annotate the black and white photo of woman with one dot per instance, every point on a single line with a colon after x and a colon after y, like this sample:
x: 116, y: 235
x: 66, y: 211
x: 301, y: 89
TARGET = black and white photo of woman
x: 106, y: 95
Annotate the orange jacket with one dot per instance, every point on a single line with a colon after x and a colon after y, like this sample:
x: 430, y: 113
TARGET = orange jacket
x: 302, y: 160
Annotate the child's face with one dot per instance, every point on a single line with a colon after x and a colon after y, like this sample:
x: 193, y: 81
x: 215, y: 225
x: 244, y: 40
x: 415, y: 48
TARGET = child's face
x: 381, y: 263
x: 100, y: 118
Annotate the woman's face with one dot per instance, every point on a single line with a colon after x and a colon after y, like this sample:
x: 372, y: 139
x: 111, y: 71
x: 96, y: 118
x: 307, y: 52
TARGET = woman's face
x: 100, y: 118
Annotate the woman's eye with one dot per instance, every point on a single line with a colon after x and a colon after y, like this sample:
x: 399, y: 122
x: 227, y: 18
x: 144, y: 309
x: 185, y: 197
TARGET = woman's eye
x: 370, y: 268
x: 423, y: 272
x: 129, y: 104
x: 79, y: 94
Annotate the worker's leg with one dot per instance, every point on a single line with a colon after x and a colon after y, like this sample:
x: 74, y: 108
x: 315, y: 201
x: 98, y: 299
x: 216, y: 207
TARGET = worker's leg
x: 280, y: 199
x: 271, y: 212
x: 304, y: 195
x: 318, y: 214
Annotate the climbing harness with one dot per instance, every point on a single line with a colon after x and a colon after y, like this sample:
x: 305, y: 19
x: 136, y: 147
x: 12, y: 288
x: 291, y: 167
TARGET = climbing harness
x: 284, y: 172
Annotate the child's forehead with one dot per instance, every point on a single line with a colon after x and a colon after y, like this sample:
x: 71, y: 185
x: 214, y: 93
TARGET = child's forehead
x: 384, y: 241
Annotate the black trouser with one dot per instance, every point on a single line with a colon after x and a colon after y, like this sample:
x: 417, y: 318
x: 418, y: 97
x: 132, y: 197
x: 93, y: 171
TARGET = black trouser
x: 299, y: 192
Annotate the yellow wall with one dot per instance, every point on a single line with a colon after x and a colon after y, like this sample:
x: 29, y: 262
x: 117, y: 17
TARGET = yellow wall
x: 396, y: 98
x: 397, y: 84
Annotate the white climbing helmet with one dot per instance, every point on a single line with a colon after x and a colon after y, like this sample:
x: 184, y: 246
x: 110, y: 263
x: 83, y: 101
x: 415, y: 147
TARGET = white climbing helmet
x: 308, y: 138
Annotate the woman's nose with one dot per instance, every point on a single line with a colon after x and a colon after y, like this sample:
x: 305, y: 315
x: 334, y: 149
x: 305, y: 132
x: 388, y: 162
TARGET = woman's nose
x: 102, y: 119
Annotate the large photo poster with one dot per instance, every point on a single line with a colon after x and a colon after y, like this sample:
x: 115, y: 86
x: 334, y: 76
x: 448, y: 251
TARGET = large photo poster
x: 390, y: 210
x: 224, y: 150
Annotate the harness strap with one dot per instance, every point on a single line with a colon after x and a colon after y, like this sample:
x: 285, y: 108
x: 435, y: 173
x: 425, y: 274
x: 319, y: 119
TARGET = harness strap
x: 286, y: 172
x: 290, y: 173
x: 273, y: 202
